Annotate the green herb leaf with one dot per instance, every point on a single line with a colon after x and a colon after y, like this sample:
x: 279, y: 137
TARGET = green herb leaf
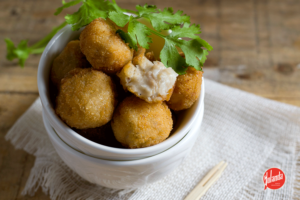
x: 158, y: 20
x: 170, y: 57
x: 127, y: 39
x: 93, y: 9
x: 203, y: 59
x: 10, y: 47
x: 146, y: 10
x: 114, y: 6
x: 195, y: 55
x: 188, y: 31
x: 89, y: 10
x: 22, y: 51
x: 139, y: 33
x: 119, y: 18
x: 66, y: 5
x: 193, y: 52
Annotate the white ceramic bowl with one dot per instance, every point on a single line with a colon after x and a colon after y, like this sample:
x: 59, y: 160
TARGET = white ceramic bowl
x: 185, y: 122
x: 125, y: 174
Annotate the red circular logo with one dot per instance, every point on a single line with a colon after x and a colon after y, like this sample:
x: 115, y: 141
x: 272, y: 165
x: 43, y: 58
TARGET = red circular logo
x: 274, y: 178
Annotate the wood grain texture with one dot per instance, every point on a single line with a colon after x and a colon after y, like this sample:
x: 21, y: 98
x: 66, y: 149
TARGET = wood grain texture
x: 256, y: 49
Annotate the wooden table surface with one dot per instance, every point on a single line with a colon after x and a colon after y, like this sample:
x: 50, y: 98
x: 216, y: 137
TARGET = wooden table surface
x: 256, y: 48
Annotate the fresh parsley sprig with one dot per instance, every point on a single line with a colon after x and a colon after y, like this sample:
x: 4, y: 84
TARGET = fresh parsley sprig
x: 178, y: 24
x: 88, y: 11
x: 22, y: 50
x: 194, y: 48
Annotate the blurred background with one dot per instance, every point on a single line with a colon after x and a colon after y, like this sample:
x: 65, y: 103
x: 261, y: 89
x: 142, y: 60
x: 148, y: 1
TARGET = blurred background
x: 256, y: 49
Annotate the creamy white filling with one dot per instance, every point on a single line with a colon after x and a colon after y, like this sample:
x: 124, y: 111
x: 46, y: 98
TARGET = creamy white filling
x: 151, y: 81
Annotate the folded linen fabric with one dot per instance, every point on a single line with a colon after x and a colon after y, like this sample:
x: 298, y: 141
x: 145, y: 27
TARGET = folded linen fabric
x: 251, y: 133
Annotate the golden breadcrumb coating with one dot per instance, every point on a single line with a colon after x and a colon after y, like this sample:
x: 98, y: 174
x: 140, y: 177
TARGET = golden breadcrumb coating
x: 187, y: 90
x: 138, y: 124
x: 152, y: 82
x: 103, y: 47
x: 86, y: 99
x: 150, y: 56
x: 70, y: 58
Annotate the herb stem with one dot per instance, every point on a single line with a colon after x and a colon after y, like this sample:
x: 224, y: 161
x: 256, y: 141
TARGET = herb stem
x: 130, y: 11
x: 37, y: 51
x: 123, y: 9
x: 45, y: 40
x: 156, y: 33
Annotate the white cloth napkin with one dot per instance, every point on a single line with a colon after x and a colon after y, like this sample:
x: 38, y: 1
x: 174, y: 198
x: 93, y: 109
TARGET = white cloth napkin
x: 251, y: 133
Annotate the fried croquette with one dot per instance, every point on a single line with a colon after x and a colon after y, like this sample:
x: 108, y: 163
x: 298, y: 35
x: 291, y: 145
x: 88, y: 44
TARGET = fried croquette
x: 138, y: 124
x: 70, y: 58
x: 152, y: 82
x: 86, y: 99
x: 101, y: 135
x: 103, y: 47
x: 187, y: 90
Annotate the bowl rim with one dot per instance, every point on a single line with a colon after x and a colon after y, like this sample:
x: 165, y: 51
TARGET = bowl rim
x: 148, y: 160
x: 62, y: 127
